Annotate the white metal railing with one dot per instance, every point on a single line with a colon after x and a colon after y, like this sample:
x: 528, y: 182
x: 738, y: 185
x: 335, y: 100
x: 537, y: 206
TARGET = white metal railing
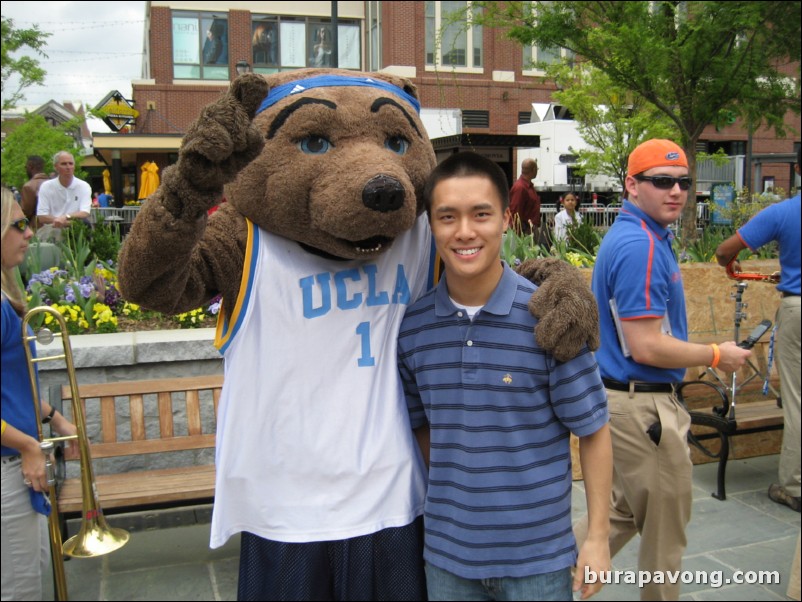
x: 119, y: 215
x: 603, y: 217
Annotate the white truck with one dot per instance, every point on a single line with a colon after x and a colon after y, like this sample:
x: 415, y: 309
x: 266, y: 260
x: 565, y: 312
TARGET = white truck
x: 556, y: 159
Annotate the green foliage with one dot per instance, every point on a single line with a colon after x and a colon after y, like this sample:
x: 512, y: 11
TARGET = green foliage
x: 85, y: 291
x: 517, y: 247
x: 103, y: 238
x: 697, y: 62
x: 701, y: 249
x: 610, y: 118
x: 25, y: 67
x: 584, y: 237
x: 580, y: 249
x: 35, y: 136
x: 746, y: 205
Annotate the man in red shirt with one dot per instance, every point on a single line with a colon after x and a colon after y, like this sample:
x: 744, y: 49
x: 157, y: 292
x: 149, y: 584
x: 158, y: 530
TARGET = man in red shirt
x: 524, y: 201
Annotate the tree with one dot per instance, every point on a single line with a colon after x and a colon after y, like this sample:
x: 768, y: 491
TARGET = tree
x: 700, y: 63
x: 611, y: 119
x: 25, y: 67
x: 35, y: 136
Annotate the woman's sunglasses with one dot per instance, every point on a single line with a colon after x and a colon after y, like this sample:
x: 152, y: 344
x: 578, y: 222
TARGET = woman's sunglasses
x: 21, y: 224
x: 667, y: 182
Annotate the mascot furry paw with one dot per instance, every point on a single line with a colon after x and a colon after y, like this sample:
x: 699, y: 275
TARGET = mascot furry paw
x: 320, y: 248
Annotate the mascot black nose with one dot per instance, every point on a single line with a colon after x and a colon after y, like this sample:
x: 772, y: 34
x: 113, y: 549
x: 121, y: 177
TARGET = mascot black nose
x: 383, y: 193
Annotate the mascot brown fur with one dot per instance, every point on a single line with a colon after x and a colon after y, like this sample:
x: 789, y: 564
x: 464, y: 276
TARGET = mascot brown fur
x: 320, y: 247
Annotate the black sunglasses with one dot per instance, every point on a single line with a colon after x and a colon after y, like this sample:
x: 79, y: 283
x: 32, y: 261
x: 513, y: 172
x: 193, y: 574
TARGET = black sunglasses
x: 21, y: 224
x: 667, y: 182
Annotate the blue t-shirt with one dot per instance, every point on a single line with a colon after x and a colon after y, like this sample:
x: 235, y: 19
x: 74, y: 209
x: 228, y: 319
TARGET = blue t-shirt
x: 780, y: 222
x: 636, y: 266
x: 17, y: 404
x: 500, y: 410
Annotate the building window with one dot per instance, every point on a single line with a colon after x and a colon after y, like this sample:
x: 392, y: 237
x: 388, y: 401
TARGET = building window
x: 537, y: 58
x: 200, y: 46
x: 451, y: 40
x: 374, y: 41
x: 280, y: 43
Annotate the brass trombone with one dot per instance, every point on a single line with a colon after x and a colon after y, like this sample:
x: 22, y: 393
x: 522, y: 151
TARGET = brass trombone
x: 95, y: 537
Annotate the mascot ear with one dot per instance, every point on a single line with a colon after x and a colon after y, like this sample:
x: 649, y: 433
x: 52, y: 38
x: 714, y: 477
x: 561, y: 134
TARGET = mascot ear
x: 410, y: 88
x: 250, y: 89
x: 568, y: 318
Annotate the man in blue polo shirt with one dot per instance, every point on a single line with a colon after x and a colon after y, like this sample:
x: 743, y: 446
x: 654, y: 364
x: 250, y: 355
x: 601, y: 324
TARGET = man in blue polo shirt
x: 781, y: 222
x: 493, y: 411
x: 644, y: 350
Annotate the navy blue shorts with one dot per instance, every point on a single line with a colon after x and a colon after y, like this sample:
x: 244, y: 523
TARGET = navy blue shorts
x: 387, y: 565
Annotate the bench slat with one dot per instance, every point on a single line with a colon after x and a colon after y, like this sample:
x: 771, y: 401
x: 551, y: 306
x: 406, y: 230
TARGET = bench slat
x: 193, y: 413
x: 758, y: 414
x: 136, y: 404
x: 144, y: 387
x: 151, y: 446
x: 165, y: 414
x: 148, y: 487
x: 108, y: 418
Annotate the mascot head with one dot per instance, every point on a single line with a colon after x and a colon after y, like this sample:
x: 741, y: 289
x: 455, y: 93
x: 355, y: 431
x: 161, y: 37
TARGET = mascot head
x: 345, y: 160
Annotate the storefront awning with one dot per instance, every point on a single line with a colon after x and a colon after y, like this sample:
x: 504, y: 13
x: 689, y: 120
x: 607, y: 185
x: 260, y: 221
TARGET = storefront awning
x: 128, y: 145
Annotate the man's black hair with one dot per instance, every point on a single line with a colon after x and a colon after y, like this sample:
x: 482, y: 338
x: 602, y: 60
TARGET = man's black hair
x: 466, y: 164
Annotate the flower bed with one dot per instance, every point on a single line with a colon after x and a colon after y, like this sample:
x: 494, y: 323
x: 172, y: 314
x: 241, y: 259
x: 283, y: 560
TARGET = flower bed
x: 90, y: 302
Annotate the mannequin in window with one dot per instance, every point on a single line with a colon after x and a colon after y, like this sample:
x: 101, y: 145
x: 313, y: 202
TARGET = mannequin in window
x: 213, y: 46
x: 264, y: 44
x: 321, y: 51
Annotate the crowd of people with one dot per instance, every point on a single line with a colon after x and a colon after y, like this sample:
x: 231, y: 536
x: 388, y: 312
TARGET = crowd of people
x: 491, y: 411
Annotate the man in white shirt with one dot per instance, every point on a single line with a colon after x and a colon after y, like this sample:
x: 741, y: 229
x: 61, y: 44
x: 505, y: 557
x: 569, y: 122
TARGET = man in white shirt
x: 64, y: 198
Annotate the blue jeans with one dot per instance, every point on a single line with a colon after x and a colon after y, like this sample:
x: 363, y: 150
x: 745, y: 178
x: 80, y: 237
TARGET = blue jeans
x: 443, y: 585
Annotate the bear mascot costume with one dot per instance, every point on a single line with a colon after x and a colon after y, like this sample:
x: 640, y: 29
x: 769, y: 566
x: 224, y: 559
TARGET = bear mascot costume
x: 321, y: 246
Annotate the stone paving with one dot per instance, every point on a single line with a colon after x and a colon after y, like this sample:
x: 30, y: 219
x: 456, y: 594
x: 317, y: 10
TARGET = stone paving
x: 168, y: 557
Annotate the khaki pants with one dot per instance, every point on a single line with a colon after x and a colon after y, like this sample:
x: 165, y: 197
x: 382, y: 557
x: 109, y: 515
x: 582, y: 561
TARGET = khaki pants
x: 651, y: 484
x: 788, y: 365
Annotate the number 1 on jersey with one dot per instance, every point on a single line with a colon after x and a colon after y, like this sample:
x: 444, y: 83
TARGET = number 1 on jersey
x: 367, y: 360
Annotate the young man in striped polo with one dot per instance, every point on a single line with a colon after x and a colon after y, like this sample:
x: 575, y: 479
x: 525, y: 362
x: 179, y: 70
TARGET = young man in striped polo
x: 493, y: 413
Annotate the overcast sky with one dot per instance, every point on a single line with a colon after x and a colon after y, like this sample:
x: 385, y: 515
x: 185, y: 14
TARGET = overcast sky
x: 96, y: 47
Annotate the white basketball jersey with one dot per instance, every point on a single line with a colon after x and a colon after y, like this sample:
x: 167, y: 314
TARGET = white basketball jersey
x: 313, y: 436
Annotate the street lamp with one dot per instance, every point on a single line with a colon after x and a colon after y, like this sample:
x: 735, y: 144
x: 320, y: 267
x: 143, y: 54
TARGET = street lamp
x: 243, y: 66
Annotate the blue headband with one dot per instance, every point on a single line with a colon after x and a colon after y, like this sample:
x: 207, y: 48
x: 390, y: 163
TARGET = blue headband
x: 325, y: 81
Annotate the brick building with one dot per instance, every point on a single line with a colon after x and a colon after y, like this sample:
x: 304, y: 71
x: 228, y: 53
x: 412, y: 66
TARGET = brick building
x: 191, y: 55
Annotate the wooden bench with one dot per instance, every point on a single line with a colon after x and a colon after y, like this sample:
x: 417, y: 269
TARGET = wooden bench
x: 722, y: 422
x: 141, y: 418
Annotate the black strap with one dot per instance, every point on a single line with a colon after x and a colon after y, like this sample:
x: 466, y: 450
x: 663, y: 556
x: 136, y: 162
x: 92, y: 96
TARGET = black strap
x: 640, y: 387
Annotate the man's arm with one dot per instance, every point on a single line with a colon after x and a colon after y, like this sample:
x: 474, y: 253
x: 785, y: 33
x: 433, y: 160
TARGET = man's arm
x: 650, y: 346
x: 596, y: 459
x: 729, y: 249
x: 28, y: 202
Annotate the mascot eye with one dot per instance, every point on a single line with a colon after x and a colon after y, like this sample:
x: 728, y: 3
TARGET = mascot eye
x: 397, y: 144
x: 315, y: 145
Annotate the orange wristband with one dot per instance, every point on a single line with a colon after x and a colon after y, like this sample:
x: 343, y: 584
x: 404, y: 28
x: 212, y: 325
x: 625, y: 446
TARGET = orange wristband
x: 716, y: 355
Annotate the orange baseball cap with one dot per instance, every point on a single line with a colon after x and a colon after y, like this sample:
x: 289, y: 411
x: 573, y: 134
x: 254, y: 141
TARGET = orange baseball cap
x: 655, y: 153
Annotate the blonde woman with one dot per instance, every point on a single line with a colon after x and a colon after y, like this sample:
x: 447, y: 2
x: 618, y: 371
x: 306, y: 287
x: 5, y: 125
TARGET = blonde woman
x: 25, y: 542
x: 566, y: 218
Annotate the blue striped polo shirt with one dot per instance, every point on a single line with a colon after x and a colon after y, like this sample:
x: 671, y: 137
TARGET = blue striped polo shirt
x: 500, y: 410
